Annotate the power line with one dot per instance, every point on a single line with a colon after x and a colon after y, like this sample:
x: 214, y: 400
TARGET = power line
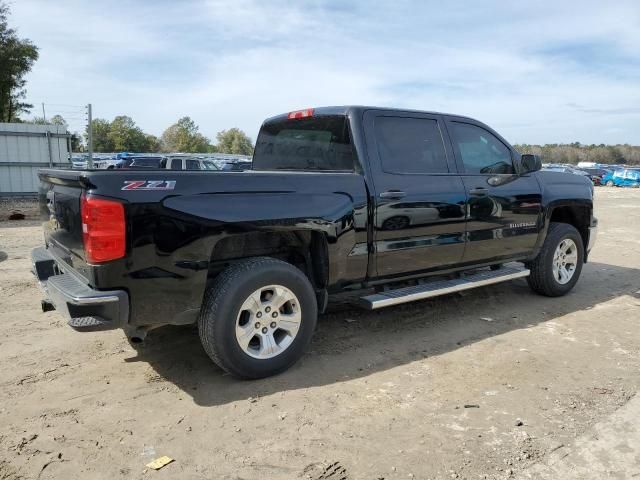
x: 66, y: 105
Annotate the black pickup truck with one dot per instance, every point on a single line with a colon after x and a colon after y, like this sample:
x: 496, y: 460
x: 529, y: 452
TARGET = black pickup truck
x: 406, y: 204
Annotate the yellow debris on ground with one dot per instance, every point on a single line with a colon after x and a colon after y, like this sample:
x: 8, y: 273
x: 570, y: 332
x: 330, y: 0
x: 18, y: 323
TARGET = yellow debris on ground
x: 158, y: 463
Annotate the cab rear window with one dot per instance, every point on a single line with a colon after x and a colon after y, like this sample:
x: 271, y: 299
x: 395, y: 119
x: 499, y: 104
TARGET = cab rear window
x: 312, y: 143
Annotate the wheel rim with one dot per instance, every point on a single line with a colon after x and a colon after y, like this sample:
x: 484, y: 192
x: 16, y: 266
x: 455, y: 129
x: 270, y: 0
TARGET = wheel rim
x: 395, y: 223
x: 268, y: 322
x: 565, y: 260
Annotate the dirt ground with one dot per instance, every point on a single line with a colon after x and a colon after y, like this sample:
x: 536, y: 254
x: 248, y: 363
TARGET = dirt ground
x: 484, y: 384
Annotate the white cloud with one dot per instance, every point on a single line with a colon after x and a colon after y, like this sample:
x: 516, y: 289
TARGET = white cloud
x: 518, y: 67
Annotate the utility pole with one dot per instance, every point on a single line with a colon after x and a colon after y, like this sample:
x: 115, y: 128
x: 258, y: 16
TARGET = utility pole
x: 90, y: 138
x: 44, y: 115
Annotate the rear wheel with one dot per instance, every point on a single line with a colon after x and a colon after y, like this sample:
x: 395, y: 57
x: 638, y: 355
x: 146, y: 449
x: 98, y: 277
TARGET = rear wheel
x: 258, y: 317
x: 557, y: 267
x: 398, y: 222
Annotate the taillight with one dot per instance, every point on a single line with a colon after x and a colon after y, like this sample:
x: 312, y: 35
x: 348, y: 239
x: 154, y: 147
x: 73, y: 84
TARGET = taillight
x: 103, y: 229
x: 307, y: 112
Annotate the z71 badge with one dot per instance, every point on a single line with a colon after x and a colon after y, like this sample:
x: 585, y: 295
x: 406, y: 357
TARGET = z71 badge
x: 149, y: 185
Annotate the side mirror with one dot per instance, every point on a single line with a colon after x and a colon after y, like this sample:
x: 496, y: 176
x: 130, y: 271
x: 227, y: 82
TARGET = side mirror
x: 530, y: 163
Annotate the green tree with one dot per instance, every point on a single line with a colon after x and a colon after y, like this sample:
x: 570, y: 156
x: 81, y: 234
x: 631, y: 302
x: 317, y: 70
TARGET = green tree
x: 235, y: 141
x: 38, y: 121
x: 153, y: 143
x: 184, y: 136
x: 76, y: 144
x: 101, y: 140
x: 17, y: 57
x: 121, y: 134
x: 55, y: 120
x: 126, y: 135
x: 59, y: 120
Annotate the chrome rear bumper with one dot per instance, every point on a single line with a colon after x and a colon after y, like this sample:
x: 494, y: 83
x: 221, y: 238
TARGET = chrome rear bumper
x: 85, y: 308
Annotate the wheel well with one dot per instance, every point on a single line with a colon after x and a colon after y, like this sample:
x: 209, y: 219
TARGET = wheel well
x: 304, y: 249
x: 578, y: 216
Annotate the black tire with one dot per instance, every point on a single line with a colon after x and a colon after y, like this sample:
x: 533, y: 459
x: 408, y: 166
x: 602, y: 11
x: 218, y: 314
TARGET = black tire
x: 221, y: 306
x: 609, y: 183
x: 542, y: 280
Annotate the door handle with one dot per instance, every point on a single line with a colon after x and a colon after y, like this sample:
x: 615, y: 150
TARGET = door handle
x: 393, y: 194
x: 479, y: 192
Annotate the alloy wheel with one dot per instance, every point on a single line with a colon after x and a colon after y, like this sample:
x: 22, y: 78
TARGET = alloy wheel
x: 565, y: 260
x: 268, y: 322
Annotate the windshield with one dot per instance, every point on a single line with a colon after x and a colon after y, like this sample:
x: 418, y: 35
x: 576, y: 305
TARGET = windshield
x: 312, y: 143
x: 209, y: 165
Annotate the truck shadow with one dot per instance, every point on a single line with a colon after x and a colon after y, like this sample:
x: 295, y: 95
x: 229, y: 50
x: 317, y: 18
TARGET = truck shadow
x: 351, y: 343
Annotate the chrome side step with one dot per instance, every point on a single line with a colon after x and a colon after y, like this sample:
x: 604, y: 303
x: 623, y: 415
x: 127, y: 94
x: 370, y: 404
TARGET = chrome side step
x: 441, y: 287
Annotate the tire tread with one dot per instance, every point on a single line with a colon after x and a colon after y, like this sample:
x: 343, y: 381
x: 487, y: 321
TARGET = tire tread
x: 220, y: 290
x: 541, y: 277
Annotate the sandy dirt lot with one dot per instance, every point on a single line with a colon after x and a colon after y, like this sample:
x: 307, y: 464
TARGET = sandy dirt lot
x: 487, y: 384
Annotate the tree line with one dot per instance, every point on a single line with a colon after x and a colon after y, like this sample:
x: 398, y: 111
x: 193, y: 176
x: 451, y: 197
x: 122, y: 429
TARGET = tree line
x: 123, y: 135
x: 573, y: 153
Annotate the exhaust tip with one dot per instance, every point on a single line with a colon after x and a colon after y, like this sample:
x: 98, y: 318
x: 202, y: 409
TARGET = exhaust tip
x: 47, y: 306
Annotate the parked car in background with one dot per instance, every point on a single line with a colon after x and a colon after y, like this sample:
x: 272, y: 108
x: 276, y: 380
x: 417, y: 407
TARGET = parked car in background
x: 236, y: 166
x: 585, y: 165
x: 79, y: 162
x: 190, y: 163
x: 624, y: 177
x: 105, y: 163
x: 596, y: 174
x: 564, y: 169
x: 140, y: 162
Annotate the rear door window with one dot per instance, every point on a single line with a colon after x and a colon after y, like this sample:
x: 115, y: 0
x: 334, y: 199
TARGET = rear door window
x: 312, y: 143
x: 176, y: 164
x: 193, y: 165
x: 410, y: 145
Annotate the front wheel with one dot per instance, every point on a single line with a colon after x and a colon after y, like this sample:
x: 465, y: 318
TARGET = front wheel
x: 609, y: 183
x: 258, y: 317
x: 556, y: 269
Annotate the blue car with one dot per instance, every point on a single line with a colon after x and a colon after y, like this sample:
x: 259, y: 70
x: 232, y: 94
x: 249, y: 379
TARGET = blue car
x: 624, y: 177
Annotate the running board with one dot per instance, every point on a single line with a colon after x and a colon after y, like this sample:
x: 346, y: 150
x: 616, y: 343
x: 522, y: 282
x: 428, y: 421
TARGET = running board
x: 441, y: 287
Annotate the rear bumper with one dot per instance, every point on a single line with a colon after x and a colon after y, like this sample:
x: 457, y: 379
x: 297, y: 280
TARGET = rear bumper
x: 85, y: 308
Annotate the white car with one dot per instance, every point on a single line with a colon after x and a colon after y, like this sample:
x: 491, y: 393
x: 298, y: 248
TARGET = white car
x: 190, y: 163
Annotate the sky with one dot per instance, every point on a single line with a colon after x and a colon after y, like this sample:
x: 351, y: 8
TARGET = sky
x: 537, y: 72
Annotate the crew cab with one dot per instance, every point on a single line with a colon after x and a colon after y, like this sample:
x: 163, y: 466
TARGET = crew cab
x: 406, y: 204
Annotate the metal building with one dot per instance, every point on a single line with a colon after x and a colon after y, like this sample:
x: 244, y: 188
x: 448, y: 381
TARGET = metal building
x: 24, y: 148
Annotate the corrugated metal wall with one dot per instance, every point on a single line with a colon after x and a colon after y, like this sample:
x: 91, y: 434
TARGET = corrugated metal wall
x: 24, y: 148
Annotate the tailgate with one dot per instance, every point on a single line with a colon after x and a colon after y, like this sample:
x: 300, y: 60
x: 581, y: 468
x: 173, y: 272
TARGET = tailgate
x: 60, y: 193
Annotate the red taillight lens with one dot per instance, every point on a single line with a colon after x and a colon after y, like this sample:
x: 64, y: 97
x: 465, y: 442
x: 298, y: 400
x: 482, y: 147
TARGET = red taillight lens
x: 103, y: 229
x: 307, y: 112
